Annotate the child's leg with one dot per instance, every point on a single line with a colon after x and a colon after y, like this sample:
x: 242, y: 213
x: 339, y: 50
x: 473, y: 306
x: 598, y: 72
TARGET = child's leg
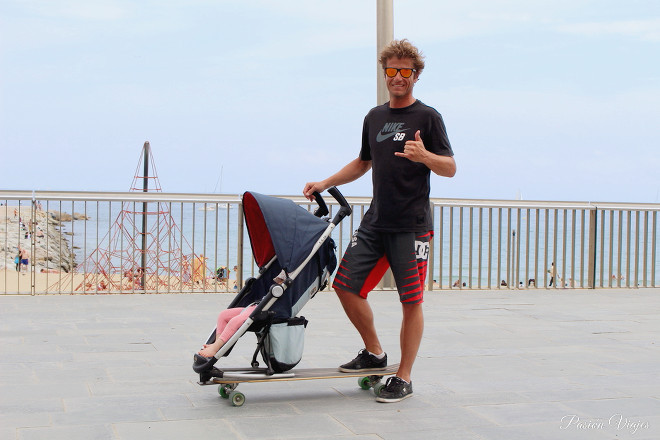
x: 235, y: 323
x: 225, y: 316
x: 223, y: 319
x: 229, y: 320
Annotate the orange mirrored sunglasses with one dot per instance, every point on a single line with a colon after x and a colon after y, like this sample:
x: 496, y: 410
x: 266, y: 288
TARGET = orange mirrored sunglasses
x: 405, y: 72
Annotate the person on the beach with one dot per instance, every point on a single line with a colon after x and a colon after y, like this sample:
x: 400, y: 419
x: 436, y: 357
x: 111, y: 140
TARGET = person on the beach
x: 138, y: 278
x: 25, y: 258
x: 185, y: 270
x: 553, y: 272
x: 229, y: 321
x: 49, y: 271
x: 403, y: 140
x: 235, y: 283
x: 199, y: 270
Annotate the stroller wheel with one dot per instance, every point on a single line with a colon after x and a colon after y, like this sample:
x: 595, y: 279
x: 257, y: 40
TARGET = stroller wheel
x: 237, y: 398
x: 255, y: 364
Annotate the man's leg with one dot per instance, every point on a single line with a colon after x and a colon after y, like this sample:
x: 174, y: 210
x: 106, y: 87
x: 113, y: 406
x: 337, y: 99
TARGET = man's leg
x: 412, y: 328
x: 361, y: 316
x: 399, y: 387
x: 408, y: 254
x: 363, y: 265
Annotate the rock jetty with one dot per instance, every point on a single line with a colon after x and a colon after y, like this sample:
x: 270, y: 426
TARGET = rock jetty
x: 38, y: 232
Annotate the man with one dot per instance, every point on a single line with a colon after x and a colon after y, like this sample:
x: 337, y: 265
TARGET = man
x: 25, y: 258
x: 403, y: 140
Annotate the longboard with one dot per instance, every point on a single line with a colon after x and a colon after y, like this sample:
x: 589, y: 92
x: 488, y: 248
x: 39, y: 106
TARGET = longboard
x: 231, y: 377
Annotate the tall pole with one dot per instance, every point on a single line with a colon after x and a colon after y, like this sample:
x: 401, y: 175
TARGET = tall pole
x: 384, y: 34
x: 145, y: 188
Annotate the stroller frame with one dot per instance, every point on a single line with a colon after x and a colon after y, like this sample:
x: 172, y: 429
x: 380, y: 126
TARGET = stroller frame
x: 261, y: 318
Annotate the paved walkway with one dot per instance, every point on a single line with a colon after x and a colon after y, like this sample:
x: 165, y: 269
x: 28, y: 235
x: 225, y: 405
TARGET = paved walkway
x: 493, y: 365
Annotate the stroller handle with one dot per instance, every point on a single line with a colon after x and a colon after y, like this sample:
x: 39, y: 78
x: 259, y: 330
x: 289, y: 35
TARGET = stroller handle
x: 323, y: 208
x: 345, y: 208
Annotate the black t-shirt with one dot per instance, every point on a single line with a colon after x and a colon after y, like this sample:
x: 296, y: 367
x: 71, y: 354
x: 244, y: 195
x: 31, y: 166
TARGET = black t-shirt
x: 401, y: 187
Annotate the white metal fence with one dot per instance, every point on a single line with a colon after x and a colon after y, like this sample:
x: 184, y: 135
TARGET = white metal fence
x: 162, y: 242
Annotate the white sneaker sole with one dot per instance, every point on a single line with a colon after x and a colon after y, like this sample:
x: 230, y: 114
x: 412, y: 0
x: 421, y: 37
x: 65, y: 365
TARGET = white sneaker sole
x: 384, y: 400
x: 363, y: 370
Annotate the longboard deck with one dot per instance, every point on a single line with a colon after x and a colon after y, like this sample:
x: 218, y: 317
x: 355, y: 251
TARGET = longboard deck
x: 301, y: 374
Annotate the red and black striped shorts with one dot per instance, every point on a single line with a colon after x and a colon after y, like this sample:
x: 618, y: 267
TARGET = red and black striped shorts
x: 369, y: 255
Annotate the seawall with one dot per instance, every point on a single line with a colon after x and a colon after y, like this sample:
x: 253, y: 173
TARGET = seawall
x: 38, y: 232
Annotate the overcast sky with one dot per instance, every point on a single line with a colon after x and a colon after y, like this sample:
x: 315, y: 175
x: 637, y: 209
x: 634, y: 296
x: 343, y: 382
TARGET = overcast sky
x: 547, y: 100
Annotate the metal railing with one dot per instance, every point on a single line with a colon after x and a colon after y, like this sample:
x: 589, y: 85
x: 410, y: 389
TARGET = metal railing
x: 486, y: 244
x: 164, y: 242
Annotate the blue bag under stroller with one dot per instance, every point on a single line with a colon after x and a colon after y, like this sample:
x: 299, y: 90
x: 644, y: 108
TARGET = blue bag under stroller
x: 296, y: 258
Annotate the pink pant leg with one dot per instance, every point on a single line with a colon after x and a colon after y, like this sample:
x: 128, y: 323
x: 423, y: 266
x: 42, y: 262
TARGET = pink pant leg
x: 230, y: 320
x: 224, y: 317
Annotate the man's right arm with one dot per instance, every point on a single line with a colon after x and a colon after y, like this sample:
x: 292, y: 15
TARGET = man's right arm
x: 352, y: 171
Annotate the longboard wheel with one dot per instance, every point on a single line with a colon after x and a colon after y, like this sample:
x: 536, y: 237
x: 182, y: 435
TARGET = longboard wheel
x: 377, y: 388
x: 375, y: 379
x: 237, y: 398
x: 226, y: 388
x: 365, y: 383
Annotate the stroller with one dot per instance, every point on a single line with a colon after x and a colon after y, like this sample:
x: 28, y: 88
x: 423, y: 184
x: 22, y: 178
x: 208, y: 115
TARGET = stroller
x: 293, y: 245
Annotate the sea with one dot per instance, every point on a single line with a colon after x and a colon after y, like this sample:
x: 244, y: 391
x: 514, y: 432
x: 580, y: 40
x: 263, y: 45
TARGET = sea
x: 478, y: 247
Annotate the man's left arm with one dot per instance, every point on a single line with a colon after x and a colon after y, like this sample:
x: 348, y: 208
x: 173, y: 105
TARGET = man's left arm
x: 415, y: 151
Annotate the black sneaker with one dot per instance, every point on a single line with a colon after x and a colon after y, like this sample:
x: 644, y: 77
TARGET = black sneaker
x: 364, y: 362
x: 395, y: 390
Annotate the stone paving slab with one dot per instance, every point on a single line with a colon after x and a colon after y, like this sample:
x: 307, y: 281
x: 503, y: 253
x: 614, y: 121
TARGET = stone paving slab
x: 558, y: 364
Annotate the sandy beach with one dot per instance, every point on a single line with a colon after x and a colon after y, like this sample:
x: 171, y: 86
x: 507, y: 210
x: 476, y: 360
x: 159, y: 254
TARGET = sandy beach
x: 50, y: 259
x: 64, y: 283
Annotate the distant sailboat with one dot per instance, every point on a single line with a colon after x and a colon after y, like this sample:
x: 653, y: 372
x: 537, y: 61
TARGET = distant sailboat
x: 212, y: 206
x: 222, y: 167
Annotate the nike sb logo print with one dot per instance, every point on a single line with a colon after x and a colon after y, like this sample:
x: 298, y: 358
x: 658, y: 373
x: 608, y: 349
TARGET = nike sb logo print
x: 392, y: 129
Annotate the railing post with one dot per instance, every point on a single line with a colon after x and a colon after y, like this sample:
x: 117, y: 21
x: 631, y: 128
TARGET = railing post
x: 431, y: 260
x: 33, y: 245
x: 593, y: 228
x: 239, y: 245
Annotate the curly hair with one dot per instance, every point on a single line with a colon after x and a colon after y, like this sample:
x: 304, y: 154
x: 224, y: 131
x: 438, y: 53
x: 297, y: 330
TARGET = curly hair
x: 402, y: 49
